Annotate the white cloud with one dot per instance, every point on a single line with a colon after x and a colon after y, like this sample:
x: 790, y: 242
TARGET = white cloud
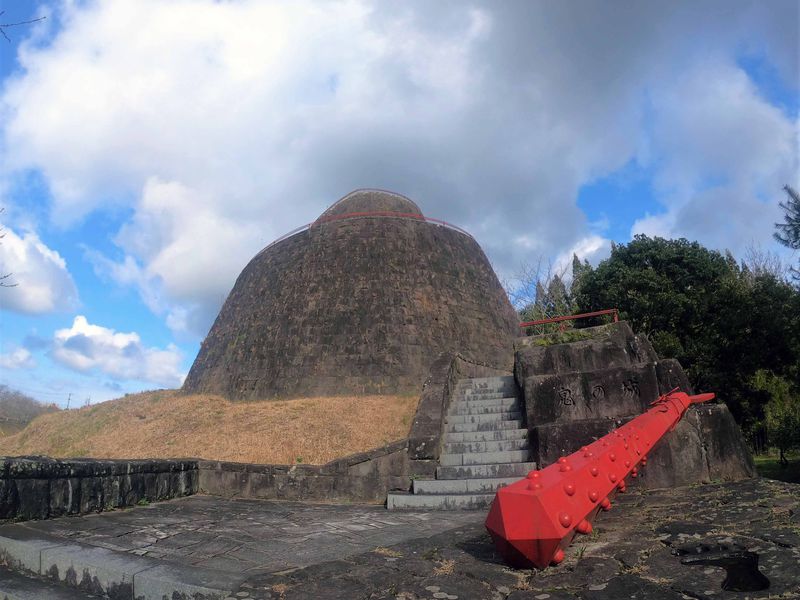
x: 726, y: 155
x: 40, y: 277
x: 221, y: 125
x: 85, y: 347
x: 593, y: 248
x: 19, y: 358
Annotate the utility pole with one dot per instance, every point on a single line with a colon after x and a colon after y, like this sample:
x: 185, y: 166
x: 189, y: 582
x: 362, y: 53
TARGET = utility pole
x: 68, y: 399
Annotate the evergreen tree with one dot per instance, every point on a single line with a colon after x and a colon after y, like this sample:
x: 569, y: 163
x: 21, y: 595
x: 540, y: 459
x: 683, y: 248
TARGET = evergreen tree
x: 788, y: 232
x: 579, y: 273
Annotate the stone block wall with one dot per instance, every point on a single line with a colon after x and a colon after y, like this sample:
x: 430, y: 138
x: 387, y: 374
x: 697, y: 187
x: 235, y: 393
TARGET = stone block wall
x: 40, y: 487
x: 357, y: 306
x: 363, y: 477
x: 578, y: 392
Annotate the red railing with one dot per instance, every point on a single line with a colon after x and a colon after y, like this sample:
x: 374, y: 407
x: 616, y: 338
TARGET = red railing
x: 356, y: 215
x: 562, y: 319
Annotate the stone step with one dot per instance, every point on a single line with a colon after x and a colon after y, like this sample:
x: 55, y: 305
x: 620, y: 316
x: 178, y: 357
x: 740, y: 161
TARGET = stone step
x: 503, y: 416
x: 488, y: 381
x: 469, y: 408
x: 485, y: 426
x: 508, y: 401
x: 494, y: 435
x: 484, y: 458
x: 461, y: 486
x: 15, y: 586
x: 494, y: 395
x: 114, y: 573
x: 514, y: 469
x: 492, y: 446
x: 396, y: 501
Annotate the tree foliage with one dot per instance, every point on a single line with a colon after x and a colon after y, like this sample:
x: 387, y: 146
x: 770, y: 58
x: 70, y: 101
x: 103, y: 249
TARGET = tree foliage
x: 788, y: 232
x: 722, y: 320
x: 782, y: 411
x: 21, y: 408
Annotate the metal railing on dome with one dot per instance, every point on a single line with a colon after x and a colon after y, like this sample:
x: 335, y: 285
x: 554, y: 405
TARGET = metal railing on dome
x: 358, y: 215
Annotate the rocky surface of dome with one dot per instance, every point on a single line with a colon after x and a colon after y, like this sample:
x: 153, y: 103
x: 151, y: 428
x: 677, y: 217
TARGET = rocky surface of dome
x: 356, y: 305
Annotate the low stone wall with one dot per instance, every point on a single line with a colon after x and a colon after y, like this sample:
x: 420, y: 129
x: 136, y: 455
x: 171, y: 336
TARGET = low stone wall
x: 364, y: 477
x: 425, y: 438
x: 38, y: 487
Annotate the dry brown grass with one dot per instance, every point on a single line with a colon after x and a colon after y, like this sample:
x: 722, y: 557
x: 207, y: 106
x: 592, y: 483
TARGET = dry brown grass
x: 166, y: 424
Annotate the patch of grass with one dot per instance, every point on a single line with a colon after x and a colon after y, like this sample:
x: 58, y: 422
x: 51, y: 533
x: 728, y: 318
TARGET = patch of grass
x: 768, y: 467
x: 303, y: 430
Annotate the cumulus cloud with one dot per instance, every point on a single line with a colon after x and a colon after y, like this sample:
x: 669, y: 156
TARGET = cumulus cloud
x: 86, y: 347
x: 18, y: 358
x: 726, y: 155
x: 221, y: 125
x: 41, y: 280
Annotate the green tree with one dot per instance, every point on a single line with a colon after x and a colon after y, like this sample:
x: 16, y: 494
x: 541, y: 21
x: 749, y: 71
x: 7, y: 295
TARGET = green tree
x: 782, y: 412
x: 723, y: 321
x: 788, y: 232
x: 579, y: 271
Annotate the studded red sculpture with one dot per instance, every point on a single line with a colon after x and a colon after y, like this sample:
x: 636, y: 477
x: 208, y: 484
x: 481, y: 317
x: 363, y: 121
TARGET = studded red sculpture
x: 532, y: 521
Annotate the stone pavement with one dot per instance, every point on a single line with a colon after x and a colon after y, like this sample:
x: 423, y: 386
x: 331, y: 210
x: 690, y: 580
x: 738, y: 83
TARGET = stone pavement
x: 248, y: 535
x: 657, y: 544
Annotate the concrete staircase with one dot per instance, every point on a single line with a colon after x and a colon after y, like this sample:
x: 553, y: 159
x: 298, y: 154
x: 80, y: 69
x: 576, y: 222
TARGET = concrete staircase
x: 485, y: 448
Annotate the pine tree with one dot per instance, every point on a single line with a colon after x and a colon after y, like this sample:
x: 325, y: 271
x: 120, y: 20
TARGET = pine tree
x: 788, y: 232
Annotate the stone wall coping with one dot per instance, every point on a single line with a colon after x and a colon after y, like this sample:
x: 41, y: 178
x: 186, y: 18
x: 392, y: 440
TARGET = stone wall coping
x: 44, y: 467
x: 338, y: 465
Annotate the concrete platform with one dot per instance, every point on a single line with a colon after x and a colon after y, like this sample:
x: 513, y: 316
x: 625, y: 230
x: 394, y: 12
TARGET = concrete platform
x: 291, y: 551
x: 200, y: 547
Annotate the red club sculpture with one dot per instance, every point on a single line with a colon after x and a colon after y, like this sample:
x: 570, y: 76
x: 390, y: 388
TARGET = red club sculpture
x: 533, y: 520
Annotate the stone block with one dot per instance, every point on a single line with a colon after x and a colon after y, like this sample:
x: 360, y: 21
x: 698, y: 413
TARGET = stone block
x: 729, y: 458
x: 671, y: 375
x: 21, y: 548
x: 9, y: 499
x: 607, y: 393
x: 94, y: 570
x: 614, y: 345
x: 64, y: 497
x: 91, y: 497
x: 34, y: 498
x: 551, y: 441
x: 679, y: 458
x: 258, y: 485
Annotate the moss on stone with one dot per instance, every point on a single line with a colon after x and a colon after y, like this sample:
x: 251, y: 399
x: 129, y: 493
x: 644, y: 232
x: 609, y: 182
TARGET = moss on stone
x: 568, y: 336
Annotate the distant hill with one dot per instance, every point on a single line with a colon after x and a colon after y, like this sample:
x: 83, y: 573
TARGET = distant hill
x: 18, y: 409
x: 168, y: 424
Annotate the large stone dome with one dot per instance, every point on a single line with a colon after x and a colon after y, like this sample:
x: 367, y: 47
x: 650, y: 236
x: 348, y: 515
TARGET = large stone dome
x: 361, y: 201
x: 357, y: 303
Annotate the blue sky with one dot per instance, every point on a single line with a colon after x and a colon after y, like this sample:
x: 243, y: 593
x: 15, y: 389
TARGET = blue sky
x: 148, y: 148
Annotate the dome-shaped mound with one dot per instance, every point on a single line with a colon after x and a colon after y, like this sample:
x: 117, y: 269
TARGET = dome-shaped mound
x: 361, y: 201
x: 355, y: 306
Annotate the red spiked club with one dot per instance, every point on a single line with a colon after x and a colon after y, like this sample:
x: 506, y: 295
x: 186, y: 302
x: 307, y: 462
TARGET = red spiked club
x: 532, y: 521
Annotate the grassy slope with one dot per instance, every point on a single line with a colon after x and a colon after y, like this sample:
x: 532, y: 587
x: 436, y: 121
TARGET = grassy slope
x: 167, y: 424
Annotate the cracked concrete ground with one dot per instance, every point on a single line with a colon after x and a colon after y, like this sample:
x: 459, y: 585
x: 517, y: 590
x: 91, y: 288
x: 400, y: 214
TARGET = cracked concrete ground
x: 295, y: 551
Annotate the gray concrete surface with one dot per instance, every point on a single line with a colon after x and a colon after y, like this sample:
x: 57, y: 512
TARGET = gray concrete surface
x: 654, y: 544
